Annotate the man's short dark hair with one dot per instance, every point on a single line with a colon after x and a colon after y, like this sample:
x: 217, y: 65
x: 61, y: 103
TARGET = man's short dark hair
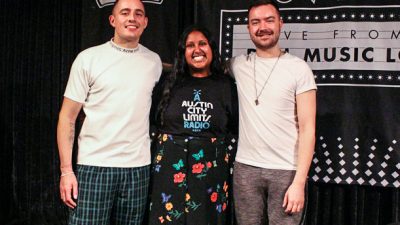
x: 115, y: 3
x: 255, y: 3
x: 112, y: 9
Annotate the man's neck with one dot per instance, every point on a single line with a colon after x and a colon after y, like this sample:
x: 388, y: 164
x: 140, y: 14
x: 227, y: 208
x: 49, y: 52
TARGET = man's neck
x: 269, y: 53
x: 125, y: 43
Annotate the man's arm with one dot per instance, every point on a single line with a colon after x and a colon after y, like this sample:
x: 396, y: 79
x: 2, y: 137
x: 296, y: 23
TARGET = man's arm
x: 65, y: 140
x: 306, y: 113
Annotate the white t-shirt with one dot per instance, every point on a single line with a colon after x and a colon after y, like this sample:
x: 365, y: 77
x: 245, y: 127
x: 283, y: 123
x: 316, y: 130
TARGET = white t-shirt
x: 115, y: 86
x: 268, y: 132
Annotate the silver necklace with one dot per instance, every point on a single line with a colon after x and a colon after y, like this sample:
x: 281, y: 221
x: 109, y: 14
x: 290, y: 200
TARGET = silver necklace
x: 266, y: 81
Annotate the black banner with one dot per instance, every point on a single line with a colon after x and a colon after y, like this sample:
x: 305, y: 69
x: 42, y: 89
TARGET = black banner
x: 353, y: 48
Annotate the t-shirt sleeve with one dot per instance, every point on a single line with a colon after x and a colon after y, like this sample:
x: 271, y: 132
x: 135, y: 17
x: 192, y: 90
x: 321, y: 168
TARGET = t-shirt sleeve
x: 305, y: 80
x: 78, y: 83
x: 159, y: 67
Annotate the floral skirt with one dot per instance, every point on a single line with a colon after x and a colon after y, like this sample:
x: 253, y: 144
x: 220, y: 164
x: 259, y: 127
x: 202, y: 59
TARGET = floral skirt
x: 189, y: 181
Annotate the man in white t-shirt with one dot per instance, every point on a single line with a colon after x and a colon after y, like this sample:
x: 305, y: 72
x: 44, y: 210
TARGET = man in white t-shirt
x: 112, y: 83
x: 277, y: 108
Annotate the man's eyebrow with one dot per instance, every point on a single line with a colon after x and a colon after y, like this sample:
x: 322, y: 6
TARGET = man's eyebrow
x: 124, y: 9
x: 140, y: 10
x: 128, y: 10
x: 263, y: 18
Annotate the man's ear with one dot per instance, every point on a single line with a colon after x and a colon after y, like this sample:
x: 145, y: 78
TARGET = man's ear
x: 146, y: 20
x: 111, y: 18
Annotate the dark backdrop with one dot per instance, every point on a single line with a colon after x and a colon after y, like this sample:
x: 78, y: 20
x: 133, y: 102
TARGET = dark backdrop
x: 39, y: 40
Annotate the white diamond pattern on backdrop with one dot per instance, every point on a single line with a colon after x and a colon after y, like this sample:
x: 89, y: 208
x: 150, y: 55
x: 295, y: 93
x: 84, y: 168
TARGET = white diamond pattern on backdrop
x: 371, y: 156
x: 396, y: 184
x: 328, y: 161
x: 360, y: 164
x: 372, y: 181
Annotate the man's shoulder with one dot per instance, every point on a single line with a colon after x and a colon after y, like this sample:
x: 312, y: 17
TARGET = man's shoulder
x: 239, y: 61
x: 94, y: 50
x: 295, y: 62
x: 294, y: 58
x: 144, y: 50
x: 240, y: 58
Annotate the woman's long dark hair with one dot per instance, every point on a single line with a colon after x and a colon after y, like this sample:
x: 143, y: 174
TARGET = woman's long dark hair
x: 181, y: 70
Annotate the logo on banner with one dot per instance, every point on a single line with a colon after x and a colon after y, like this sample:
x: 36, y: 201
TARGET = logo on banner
x: 102, y: 3
x: 344, y: 45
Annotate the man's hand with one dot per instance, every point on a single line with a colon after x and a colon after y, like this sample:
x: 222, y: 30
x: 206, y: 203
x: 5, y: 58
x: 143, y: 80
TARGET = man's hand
x: 294, y: 198
x: 69, y: 189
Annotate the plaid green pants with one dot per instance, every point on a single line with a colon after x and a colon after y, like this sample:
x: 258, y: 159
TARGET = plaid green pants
x: 109, y: 195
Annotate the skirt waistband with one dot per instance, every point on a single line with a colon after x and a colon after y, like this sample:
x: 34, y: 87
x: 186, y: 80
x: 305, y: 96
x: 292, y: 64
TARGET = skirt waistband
x: 165, y: 137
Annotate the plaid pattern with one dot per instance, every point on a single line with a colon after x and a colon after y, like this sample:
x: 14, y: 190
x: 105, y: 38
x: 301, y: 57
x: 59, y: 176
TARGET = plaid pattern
x: 106, y: 194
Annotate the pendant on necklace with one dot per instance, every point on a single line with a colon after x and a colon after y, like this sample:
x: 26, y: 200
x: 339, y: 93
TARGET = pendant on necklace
x: 256, y: 101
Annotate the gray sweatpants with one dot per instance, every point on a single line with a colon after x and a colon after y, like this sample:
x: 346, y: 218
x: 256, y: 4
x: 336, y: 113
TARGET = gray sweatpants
x: 258, y: 191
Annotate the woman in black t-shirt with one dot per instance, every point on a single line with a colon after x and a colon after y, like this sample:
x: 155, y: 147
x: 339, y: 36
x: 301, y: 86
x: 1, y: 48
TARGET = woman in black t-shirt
x: 196, y: 112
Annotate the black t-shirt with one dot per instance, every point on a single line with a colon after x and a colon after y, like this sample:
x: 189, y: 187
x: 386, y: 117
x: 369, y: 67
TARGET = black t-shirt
x: 202, y: 107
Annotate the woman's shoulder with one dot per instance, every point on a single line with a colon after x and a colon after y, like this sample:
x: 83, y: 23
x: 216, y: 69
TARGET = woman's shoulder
x: 227, y: 81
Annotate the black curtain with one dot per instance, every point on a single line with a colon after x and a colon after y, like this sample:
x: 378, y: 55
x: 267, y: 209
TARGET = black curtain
x: 39, y: 41
x: 334, y: 204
